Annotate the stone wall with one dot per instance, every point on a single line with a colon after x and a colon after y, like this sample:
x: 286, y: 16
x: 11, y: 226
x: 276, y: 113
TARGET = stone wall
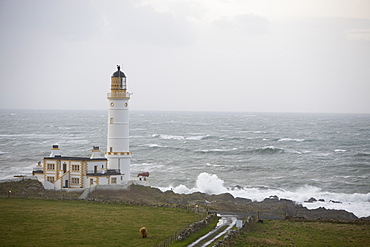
x: 196, y: 227
x: 228, y: 240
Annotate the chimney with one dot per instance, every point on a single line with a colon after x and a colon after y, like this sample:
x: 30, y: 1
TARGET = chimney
x: 55, y: 152
x: 95, y: 153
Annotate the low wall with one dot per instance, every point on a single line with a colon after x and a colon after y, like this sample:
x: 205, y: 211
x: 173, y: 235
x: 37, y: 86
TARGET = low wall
x: 87, y: 191
x: 196, y: 227
x: 183, y: 233
x: 228, y: 240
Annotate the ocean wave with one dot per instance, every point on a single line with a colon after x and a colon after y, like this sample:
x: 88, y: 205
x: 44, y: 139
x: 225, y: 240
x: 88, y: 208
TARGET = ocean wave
x: 147, y: 167
x: 1, y: 153
x: 155, y: 146
x: 77, y: 141
x: 290, y: 139
x: 137, y: 137
x: 213, y: 165
x: 356, y: 203
x: 268, y: 150
x: 174, y: 137
x: 362, y: 154
x: 216, y: 150
x: 158, y: 146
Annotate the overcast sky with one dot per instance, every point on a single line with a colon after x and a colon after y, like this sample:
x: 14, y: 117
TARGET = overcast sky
x: 187, y: 55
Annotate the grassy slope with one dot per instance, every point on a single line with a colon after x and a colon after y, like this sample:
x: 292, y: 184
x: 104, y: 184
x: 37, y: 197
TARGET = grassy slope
x: 304, y: 233
x: 34, y: 222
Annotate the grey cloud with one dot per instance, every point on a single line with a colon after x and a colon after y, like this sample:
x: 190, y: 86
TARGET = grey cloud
x: 67, y: 20
x: 143, y: 24
x: 247, y: 24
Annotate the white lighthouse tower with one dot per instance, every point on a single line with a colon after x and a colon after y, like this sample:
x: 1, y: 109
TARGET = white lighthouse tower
x: 118, y: 152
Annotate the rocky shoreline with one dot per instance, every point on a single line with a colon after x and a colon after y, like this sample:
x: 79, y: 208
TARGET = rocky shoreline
x: 270, y: 208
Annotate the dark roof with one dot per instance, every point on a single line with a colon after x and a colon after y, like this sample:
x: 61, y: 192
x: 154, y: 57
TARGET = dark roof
x: 72, y: 158
x: 118, y: 73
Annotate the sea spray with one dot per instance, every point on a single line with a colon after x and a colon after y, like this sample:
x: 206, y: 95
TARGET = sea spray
x: 211, y: 184
x: 206, y: 183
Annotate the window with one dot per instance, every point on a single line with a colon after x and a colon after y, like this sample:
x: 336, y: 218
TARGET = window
x: 91, y: 181
x: 75, y: 181
x: 111, y: 121
x: 50, y: 167
x: 50, y: 179
x: 75, y: 168
x: 114, y: 181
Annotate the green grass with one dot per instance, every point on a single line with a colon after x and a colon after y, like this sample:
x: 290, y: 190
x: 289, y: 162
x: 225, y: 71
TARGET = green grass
x: 306, y: 233
x: 35, y: 222
x: 193, y: 237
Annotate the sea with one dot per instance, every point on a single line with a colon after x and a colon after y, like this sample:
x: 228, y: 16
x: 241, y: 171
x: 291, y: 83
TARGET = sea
x: 294, y: 156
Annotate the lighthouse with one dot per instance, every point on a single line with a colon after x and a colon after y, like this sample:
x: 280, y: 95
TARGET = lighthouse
x: 67, y: 172
x: 118, y: 152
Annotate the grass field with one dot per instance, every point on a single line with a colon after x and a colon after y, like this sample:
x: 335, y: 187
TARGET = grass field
x: 36, y: 222
x: 306, y: 233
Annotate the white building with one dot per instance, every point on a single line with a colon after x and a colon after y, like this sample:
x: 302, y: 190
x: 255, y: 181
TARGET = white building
x: 57, y: 171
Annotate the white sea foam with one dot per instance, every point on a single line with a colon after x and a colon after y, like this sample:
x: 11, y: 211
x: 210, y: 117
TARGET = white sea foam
x: 155, y: 146
x: 217, y: 150
x: 212, y: 165
x: 175, y: 137
x: 290, y: 139
x: 196, y: 138
x: 172, y: 137
x: 357, y: 203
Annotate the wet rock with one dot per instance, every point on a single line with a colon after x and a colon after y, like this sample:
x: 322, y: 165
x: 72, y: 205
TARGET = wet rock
x: 335, y: 201
x: 311, y: 200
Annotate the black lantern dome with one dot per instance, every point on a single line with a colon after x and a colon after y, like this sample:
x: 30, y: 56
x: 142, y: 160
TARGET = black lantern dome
x: 119, y: 73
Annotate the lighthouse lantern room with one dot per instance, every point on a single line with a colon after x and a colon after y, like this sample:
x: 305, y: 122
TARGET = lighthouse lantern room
x: 118, y: 152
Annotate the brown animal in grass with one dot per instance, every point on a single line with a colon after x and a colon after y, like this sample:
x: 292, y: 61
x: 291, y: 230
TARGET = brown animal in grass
x: 144, y: 232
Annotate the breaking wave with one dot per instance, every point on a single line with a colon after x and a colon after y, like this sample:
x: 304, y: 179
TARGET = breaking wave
x: 289, y: 140
x: 216, y: 150
x: 211, y: 184
x: 268, y: 150
x: 175, y: 137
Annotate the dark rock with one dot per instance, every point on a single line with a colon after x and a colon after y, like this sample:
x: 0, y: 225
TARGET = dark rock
x: 365, y: 218
x: 224, y: 197
x: 242, y: 200
x: 311, y: 200
x: 238, y: 187
x: 271, y: 199
x: 335, y: 201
